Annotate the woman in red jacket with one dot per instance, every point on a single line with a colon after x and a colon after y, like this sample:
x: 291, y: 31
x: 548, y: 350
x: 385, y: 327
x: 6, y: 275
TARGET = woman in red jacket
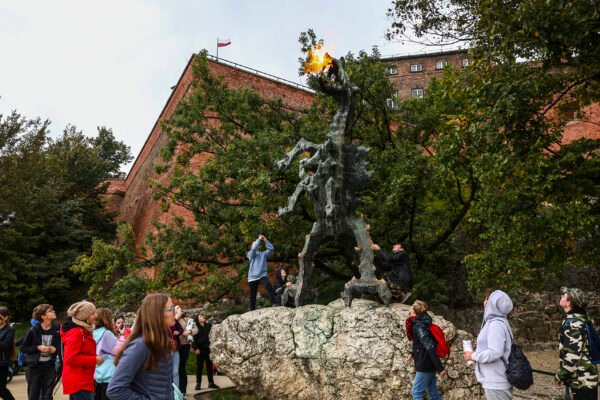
x: 79, y: 358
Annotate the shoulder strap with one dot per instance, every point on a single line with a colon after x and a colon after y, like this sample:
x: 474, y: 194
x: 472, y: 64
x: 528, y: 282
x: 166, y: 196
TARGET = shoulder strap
x: 571, y: 319
x: 512, y: 340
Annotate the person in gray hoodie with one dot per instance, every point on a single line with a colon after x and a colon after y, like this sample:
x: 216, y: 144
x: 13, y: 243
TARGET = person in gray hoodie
x: 493, y: 347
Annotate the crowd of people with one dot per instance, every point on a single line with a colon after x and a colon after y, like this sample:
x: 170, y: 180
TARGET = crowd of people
x: 101, y: 358
x: 494, y: 346
x: 96, y: 356
x: 494, y: 341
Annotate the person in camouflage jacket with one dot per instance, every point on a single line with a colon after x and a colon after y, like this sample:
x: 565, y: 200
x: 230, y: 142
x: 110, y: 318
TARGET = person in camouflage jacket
x: 576, y: 368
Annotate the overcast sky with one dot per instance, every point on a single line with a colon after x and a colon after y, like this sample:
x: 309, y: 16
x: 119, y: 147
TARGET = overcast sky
x: 112, y: 63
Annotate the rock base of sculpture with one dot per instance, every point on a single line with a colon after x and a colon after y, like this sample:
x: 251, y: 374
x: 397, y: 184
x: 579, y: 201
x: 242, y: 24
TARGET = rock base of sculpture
x: 332, y: 352
x: 370, y: 289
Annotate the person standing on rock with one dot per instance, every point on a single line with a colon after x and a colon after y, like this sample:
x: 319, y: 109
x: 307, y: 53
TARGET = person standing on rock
x: 280, y: 284
x: 576, y: 367
x: 493, y: 346
x: 400, y: 279
x: 426, y: 360
x: 257, y: 274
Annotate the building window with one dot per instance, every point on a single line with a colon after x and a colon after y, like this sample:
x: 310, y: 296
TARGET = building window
x: 392, y: 103
x: 441, y: 64
x: 416, y: 93
x: 392, y: 70
x: 466, y: 62
x: 416, y: 67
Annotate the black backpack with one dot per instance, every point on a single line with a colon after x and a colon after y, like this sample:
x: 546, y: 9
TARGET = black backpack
x: 518, y: 369
x: 593, y: 339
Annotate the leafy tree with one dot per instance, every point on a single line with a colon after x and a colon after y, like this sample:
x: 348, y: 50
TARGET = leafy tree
x: 112, y: 270
x: 474, y: 178
x: 55, y: 187
x: 535, y: 210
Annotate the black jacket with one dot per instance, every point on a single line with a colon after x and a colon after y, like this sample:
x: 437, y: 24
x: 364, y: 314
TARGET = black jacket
x: 398, y: 265
x: 424, y: 346
x: 34, y: 339
x: 279, y: 285
x: 201, y: 339
x: 7, y: 343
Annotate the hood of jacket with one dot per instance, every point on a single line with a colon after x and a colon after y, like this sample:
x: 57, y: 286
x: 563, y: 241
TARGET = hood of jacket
x: 499, y: 305
x: 278, y: 278
x: 67, y: 326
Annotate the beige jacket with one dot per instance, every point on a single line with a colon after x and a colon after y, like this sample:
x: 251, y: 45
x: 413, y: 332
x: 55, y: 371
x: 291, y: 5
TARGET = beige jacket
x: 184, y: 323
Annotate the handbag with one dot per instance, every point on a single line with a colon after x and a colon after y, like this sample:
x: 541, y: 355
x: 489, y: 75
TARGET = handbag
x: 31, y: 360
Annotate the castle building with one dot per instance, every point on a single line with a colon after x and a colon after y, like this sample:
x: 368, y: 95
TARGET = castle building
x: 131, y: 197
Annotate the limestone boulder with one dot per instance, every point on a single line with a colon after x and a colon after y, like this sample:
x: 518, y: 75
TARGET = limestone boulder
x: 333, y: 352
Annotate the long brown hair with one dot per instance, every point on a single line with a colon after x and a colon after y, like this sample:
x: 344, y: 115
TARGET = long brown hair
x: 150, y: 325
x: 104, y: 319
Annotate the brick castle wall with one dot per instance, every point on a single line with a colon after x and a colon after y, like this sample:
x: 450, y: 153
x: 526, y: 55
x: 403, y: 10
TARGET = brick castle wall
x: 132, y: 197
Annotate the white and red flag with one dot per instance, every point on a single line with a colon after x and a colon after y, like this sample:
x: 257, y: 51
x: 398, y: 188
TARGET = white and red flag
x: 223, y: 42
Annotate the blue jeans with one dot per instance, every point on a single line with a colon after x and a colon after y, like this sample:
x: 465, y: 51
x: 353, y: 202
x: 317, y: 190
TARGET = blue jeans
x: 425, y: 381
x: 82, y: 395
x: 175, y: 358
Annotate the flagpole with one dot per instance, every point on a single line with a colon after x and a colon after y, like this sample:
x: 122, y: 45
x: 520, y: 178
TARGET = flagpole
x: 217, y: 48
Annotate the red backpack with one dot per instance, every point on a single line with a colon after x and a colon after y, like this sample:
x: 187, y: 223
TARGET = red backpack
x: 441, y: 349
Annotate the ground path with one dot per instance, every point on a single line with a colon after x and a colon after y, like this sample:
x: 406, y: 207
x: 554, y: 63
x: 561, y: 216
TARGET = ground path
x: 543, y: 388
x: 18, y: 387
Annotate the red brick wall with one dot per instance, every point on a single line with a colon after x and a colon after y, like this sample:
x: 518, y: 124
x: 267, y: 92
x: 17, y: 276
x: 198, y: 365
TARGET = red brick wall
x: 133, y: 196
x: 587, y: 125
x: 404, y: 80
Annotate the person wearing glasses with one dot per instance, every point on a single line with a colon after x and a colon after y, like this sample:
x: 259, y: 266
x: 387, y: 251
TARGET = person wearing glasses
x: 42, y: 343
x: 144, y: 368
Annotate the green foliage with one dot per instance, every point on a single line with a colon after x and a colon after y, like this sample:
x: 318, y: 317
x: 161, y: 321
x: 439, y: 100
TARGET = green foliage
x: 115, y: 278
x: 554, y: 31
x: 54, y: 186
x: 535, y: 212
x: 474, y: 178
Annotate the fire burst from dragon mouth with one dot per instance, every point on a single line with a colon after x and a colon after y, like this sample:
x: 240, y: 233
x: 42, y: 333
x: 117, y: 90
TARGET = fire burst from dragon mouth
x: 318, y: 60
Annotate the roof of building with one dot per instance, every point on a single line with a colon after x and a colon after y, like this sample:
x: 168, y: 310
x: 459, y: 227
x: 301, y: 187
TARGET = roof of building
x: 423, y: 55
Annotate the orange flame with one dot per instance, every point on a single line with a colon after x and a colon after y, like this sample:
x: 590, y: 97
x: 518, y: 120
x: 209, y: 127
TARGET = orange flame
x: 318, y: 60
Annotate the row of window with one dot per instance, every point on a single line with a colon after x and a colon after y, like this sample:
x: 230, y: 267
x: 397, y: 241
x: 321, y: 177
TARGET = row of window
x: 415, y: 92
x: 441, y: 64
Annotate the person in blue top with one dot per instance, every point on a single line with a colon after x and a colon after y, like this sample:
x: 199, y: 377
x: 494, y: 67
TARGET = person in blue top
x: 257, y: 274
x: 144, y: 368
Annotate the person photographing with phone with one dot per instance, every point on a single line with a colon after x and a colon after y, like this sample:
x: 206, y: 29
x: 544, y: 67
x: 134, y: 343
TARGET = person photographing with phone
x: 257, y: 273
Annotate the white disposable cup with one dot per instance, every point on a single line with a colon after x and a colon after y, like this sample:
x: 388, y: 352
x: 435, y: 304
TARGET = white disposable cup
x: 467, y: 346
